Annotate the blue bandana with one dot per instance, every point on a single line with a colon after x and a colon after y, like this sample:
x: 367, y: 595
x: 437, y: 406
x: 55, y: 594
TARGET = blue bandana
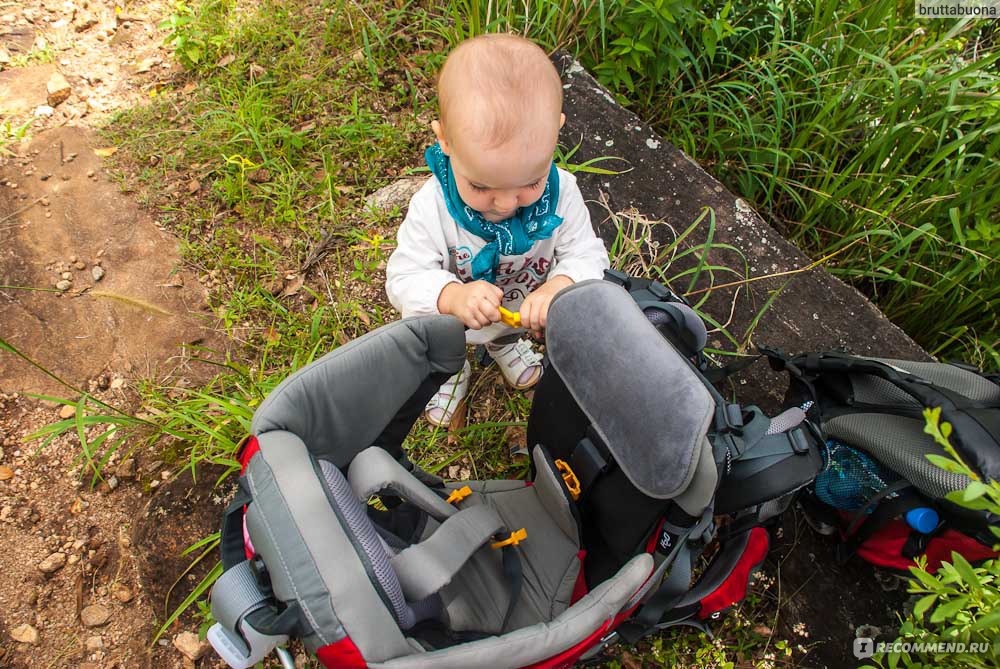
x: 511, y: 237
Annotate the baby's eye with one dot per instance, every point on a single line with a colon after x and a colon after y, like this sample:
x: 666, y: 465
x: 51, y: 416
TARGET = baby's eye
x: 536, y: 184
x: 479, y: 189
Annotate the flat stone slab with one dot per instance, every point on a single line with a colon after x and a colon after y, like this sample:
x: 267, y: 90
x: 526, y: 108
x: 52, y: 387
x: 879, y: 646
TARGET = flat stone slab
x: 134, y: 319
x: 814, y: 311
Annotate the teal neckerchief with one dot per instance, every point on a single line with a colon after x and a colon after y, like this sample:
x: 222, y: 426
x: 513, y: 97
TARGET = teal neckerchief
x: 511, y: 237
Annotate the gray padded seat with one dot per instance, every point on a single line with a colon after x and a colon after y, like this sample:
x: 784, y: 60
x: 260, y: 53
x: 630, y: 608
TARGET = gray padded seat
x: 477, y: 597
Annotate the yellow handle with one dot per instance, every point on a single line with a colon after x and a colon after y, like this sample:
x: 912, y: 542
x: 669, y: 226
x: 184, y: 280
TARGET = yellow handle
x: 511, y: 318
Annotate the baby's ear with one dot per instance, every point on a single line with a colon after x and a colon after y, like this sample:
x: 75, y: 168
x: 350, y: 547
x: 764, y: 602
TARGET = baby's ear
x: 439, y: 133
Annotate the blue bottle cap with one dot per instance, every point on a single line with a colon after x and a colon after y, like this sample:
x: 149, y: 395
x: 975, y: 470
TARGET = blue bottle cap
x: 922, y: 519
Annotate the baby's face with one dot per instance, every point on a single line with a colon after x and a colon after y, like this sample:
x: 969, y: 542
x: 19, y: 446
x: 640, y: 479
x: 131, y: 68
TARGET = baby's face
x: 497, y: 181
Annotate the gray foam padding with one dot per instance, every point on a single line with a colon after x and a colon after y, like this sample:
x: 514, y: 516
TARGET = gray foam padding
x: 641, y: 396
x: 340, y: 403
x: 310, y: 556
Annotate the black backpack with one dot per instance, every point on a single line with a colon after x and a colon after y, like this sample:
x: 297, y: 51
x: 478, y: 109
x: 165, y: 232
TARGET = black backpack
x: 761, y: 463
x: 878, y: 489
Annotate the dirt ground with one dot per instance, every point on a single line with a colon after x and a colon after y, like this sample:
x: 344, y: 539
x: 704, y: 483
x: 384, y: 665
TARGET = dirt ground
x: 87, y: 570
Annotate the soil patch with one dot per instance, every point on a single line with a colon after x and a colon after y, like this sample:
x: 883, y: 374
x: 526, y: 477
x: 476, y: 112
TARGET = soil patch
x: 115, y: 298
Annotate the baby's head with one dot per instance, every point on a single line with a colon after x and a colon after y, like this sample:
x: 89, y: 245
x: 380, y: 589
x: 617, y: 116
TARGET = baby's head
x: 501, y: 109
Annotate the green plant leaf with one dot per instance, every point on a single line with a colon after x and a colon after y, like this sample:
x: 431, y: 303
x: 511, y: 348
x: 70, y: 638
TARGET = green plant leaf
x: 920, y: 608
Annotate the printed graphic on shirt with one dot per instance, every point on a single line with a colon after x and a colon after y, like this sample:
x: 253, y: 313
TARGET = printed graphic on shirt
x: 524, y: 271
x: 461, y: 262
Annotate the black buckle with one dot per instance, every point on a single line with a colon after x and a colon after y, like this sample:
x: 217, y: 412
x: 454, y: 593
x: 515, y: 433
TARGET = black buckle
x: 587, y: 462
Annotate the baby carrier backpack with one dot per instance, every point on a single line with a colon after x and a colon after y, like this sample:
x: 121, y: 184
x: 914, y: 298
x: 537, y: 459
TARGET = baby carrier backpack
x: 337, y: 539
x: 878, y: 490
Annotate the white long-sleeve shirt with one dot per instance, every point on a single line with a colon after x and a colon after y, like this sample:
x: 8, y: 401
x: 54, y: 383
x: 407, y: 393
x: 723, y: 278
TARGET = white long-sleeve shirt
x: 433, y: 251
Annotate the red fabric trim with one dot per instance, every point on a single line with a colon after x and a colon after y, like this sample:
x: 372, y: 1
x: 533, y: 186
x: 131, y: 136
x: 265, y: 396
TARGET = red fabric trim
x: 246, y: 451
x: 528, y: 484
x: 341, y: 655
x: 568, y: 657
x: 734, y: 588
x: 580, y: 587
x: 885, y: 548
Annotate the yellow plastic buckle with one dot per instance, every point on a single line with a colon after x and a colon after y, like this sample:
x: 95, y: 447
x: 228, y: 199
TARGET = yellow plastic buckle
x: 514, y: 539
x: 511, y: 318
x: 569, y: 477
x: 459, y: 494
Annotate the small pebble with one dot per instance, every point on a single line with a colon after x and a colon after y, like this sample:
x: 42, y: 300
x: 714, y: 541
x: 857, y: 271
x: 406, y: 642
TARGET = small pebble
x: 64, y: 285
x: 97, y: 272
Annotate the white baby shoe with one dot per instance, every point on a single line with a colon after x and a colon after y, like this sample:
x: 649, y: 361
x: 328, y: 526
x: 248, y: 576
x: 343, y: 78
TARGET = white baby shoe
x: 448, y: 398
x: 520, y: 365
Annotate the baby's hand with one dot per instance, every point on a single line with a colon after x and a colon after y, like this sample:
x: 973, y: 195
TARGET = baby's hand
x: 535, y: 308
x: 477, y: 304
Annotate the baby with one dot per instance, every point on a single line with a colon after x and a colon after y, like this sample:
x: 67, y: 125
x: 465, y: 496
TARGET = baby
x: 499, y: 224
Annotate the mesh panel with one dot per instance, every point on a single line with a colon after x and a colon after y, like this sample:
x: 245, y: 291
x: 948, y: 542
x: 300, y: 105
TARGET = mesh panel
x: 900, y: 444
x: 786, y: 420
x: 871, y: 389
x: 851, y: 478
x: 358, y: 524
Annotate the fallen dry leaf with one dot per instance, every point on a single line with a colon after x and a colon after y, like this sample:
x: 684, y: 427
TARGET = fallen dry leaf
x: 76, y: 507
x: 106, y: 151
x: 293, y: 285
x: 6, y: 473
x: 194, y: 186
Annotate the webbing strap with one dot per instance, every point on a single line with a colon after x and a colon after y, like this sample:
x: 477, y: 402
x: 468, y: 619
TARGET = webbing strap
x: 670, y: 592
x: 235, y: 597
x: 514, y: 574
x: 235, y: 594
x: 425, y: 568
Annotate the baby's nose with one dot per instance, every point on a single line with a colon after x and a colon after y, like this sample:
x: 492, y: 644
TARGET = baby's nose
x: 505, y: 202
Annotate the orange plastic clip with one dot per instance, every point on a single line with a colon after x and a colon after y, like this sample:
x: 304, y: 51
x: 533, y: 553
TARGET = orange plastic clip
x: 514, y: 539
x: 569, y: 477
x: 511, y: 318
x: 459, y: 494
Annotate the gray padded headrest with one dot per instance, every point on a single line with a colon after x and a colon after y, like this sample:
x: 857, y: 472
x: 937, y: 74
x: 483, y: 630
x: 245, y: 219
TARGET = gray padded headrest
x: 642, y: 397
x: 340, y: 403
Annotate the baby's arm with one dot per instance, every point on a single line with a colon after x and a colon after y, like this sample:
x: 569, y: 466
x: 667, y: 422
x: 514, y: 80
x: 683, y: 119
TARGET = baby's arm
x: 415, y: 274
x: 418, y: 283
x: 579, y: 255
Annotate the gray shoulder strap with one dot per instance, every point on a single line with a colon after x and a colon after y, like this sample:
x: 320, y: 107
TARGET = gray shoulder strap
x: 373, y: 469
x: 425, y: 568
x: 235, y: 595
